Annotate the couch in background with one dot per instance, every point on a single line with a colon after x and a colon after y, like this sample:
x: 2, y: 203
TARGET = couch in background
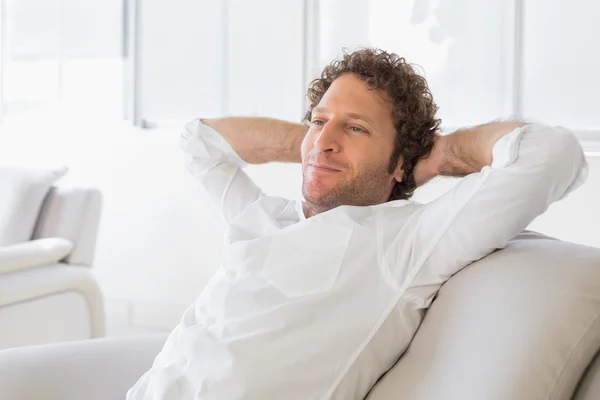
x: 47, y: 241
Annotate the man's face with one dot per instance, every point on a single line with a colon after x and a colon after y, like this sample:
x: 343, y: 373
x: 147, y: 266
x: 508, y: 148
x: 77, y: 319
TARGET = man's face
x: 346, y: 151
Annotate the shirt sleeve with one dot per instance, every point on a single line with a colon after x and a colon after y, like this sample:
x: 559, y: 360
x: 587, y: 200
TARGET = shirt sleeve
x: 217, y: 169
x: 532, y: 167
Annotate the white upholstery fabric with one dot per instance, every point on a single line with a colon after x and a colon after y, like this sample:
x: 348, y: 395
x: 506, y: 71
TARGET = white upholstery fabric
x: 72, y: 213
x: 33, y: 253
x: 22, y: 192
x: 522, y: 323
x: 51, y: 318
x: 100, y: 369
x: 589, y: 387
x: 36, y: 283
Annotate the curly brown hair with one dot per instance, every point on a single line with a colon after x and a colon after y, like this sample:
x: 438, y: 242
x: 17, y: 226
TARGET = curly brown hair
x: 413, y: 108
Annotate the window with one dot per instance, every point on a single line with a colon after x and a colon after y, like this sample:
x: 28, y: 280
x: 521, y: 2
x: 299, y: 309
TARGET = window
x: 561, y: 63
x: 62, y: 52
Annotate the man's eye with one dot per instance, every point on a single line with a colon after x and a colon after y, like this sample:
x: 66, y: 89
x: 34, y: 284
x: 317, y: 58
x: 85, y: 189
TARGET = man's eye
x: 356, y: 129
x: 317, y: 122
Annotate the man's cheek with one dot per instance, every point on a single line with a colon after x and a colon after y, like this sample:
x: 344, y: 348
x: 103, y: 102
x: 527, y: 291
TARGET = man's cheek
x: 306, y: 145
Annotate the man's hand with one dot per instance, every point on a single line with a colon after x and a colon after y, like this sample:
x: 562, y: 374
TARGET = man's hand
x: 463, y: 152
x: 427, y: 167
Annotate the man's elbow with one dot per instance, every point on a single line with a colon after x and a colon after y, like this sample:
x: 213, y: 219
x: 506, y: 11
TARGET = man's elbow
x: 556, y: 144
x: 566, y: 147
x: 565, y: 160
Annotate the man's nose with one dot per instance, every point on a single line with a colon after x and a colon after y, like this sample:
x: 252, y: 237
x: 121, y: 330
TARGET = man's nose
x: 328, y: 140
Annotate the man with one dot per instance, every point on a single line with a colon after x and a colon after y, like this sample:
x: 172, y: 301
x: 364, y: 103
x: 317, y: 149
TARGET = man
x: 316, y: 299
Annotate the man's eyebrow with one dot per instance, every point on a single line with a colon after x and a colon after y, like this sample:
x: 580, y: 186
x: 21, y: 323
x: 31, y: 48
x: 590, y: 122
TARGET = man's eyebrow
x: 359, y: 116
x: 351, y: 115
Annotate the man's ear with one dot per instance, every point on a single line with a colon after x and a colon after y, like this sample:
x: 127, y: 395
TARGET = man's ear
x: 399, y: 171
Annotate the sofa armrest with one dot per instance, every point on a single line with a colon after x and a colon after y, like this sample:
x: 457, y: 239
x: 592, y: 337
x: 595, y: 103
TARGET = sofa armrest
x: 37, y: 283
x: 33, y: 254
x: 72, y: 213
x: 96, y: 369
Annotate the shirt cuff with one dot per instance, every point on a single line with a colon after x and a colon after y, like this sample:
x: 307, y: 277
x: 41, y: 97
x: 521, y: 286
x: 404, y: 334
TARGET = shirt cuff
x: 213, y: 143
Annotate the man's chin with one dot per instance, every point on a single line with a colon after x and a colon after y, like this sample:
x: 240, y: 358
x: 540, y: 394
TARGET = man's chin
x: 311, y: 196
x: 320, y: 199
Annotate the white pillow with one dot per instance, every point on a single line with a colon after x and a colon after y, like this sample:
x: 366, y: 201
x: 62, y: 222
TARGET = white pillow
x: 22, y: 192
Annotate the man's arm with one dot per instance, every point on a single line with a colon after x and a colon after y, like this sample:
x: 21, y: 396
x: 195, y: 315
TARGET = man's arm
x: 216, y: 150
x: 261, y: 140
x: 514, y: 174
x: 463, y: 152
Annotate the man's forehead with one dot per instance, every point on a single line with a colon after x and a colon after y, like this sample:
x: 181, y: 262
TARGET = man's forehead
x: 352, y: 94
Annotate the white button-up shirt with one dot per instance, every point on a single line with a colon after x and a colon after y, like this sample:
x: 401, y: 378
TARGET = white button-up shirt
x: 320, y: 308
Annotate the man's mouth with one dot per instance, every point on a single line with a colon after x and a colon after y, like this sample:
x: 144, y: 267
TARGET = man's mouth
x: 323, y: 168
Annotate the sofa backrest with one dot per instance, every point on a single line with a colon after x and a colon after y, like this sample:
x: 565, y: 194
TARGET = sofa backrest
x: 72, y: 213
x: 22, y: 192
x: 522, y: 323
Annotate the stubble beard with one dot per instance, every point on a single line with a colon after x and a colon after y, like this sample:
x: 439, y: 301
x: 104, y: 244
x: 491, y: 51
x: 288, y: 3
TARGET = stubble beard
x: 366, y: 189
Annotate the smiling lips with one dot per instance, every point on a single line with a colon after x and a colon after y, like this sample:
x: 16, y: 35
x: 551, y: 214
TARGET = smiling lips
x: 323, y: 168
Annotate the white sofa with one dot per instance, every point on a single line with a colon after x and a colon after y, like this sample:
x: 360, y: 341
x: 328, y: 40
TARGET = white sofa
x: 520, y: 324
x: 47, y: 291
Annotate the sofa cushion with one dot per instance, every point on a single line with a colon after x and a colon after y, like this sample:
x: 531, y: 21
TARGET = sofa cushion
x: 522, y: 323
x: 23, y: 192
x: 97, y: 369
x: 34, y: 253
